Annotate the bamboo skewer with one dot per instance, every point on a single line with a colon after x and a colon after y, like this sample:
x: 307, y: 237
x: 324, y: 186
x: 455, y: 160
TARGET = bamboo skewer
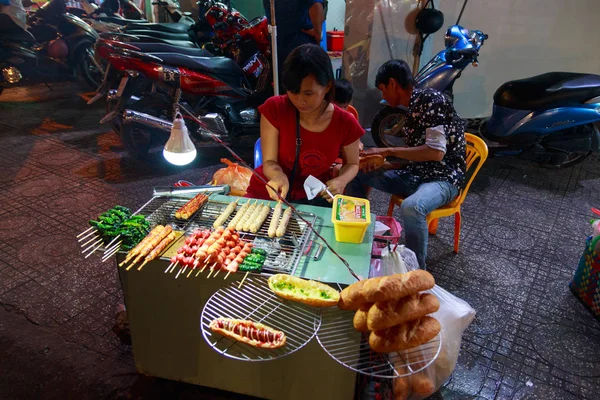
x: 108, y: 255
x: 198, y: 273
x: 218, y: 270
x: 173, y: 269
x: 169, y: 267
x: 112, y: 241
x: 243, y: 279
x: 90, y: 241
x: 179, y: 272
x: 94, y: 232
x: 93, y: 251
x: 87, y: 230
x: 131, y: 265
x: 189, y: 273
x: 226, y: 276
x: 91, y: 246
x: 142, y: 266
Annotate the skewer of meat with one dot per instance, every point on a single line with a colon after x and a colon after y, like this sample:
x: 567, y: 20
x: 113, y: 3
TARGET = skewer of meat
x: 225, y: 214
x: 248, y: 216
x: 234, y: 265
x: 240, y: 213
x: 285, y: 219
x: 260, y: 219
x: 136, y: 250
x: 162, y: 245
x: 151, y: 245
x: 275, y: 220
x: 189, y: 208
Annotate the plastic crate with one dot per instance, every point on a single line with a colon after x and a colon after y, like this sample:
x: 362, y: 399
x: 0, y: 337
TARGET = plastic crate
x: 380, y: 242
x: 335, y: 40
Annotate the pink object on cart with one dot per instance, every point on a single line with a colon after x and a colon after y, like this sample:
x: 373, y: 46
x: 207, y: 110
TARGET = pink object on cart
x: 380, y: 242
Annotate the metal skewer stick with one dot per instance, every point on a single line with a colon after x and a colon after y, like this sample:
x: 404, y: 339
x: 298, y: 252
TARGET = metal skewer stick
x: 84, y: 232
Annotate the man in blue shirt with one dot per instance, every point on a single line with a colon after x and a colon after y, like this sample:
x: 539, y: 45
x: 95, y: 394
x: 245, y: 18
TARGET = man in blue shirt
x: 298, y: 22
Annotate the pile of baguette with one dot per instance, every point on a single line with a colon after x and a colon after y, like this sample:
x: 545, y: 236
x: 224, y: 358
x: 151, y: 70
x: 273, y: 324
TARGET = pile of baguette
x: 395, y: 312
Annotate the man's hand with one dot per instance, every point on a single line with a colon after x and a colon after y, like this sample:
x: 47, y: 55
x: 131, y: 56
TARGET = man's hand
x: 313, y: 32
x: 375, y: 151
x: 281, y: 184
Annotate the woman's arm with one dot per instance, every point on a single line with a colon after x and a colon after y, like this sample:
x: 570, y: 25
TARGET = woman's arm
x: 348, y: 172
x: 269, y: 142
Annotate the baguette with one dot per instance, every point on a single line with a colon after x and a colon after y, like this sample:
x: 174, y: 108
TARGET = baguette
x: 385, y: 288
x: 374, y: 161
x: 422, y: 385
x: 386, y: 314
x: 313, y: 293
x: 401, y: 385
x: 405, y: 336
x: 251, y: 333
x: 360, y: 318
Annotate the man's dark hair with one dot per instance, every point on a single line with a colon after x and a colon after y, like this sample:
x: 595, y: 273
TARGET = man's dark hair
x: 397, y: 69
x: 306, y: 60
x: 343, y: 91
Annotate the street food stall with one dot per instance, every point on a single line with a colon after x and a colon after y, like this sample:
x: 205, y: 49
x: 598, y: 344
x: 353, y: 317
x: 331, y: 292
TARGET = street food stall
x: 256, y: 331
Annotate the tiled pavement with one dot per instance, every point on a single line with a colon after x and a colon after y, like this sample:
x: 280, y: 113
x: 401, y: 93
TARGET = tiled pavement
x: 523, y: 232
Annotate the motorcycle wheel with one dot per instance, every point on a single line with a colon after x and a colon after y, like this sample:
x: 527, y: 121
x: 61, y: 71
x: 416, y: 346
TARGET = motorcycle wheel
x: 90, y: 66
x: 144, y: 144
x: 387, y: 125
x: 571, y: 160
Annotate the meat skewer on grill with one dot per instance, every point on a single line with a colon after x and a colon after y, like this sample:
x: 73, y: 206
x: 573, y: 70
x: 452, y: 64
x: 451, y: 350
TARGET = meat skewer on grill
x: 136, y: 250
x: 225, y: 214
x: 190, y: 208
x: 275, y: 220
x: 162, y: 245
x: 151, y: 245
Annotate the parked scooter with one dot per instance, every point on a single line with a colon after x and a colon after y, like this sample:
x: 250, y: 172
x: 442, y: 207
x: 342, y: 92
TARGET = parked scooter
x: 553, y: 118
x: 58, y: 45
x: 223, y: 92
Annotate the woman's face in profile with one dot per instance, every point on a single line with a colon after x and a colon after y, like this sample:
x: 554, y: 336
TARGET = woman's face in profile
x: 311, y: 95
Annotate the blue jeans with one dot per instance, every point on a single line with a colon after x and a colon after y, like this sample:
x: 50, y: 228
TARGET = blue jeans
x: 420, y: 200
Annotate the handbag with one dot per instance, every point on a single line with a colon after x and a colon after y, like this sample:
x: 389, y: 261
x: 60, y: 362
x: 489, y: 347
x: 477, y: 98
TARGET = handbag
x: 586, y: 281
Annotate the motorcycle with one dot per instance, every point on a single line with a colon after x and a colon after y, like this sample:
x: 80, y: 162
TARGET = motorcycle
x: 223, y: 92
x: 553, y: 118
x: 58, y: 45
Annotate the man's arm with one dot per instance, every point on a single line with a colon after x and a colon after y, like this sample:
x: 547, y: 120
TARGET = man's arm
x: 419, y: 153
x: 317, y: 16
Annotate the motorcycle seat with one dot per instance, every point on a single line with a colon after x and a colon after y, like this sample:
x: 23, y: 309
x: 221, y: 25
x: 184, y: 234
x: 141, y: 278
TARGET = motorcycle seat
x: 20, y: 37
x: 177, y: 43
x: 549, y: 90
x: 119, y: 20
x: 160, y: 35
x: 166, y: 48
x: 171, y: 27
x: 225, y: 69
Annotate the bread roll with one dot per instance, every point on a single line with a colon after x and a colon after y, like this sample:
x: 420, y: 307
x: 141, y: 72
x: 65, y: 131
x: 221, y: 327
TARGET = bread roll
x: 405, y: 336
x: 350, y: 297
x: 385, y: 288
x: 386, y: 314
x: 422, y: 385
x: 401, y: 386
x: 360, y: 318
x: 373, y: 161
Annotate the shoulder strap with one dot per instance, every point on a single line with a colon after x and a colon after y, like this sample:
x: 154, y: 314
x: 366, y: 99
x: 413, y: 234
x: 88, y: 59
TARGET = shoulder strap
x: 297, y: 158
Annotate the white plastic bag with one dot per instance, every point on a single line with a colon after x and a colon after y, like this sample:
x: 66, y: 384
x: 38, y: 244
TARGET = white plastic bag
x: 455, y: 315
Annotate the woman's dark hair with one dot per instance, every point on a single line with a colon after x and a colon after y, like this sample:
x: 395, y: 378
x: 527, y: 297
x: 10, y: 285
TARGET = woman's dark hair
x: 306, y: 60
x: 343, y: 91
x: 397, y: 69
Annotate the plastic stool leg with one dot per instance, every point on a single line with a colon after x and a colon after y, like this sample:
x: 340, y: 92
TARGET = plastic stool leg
x: 457, y: 222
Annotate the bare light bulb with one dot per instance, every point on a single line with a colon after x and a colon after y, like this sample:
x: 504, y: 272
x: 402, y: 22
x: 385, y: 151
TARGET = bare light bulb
x: 179, y: 149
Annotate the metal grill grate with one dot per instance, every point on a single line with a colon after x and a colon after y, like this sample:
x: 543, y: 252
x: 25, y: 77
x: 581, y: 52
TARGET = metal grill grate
x: 161, y: 210
x: 350, y: 348
x: 256, y: 302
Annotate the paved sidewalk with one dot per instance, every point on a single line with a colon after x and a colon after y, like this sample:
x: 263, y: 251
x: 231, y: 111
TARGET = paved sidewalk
x: 523, y: 232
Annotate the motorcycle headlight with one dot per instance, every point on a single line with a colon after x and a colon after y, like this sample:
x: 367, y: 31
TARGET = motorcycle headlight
x: 11, y: 74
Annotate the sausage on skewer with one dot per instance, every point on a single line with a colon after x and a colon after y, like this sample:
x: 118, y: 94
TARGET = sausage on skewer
x: 275, y: 220
x: 136, y: 250
x: 158, y: 249
x: 249, y: 213
x: 225, y: 214
x: 285, y: 219
x: 238, y: 216
x: 260, y: 219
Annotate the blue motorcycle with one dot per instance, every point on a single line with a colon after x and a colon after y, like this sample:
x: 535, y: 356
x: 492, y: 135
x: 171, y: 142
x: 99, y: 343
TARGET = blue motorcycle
x: 553, y: 118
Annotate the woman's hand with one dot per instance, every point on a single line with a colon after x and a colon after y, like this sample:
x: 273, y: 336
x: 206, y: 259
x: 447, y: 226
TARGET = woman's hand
x: 335, y: 186
x: 281, y: 184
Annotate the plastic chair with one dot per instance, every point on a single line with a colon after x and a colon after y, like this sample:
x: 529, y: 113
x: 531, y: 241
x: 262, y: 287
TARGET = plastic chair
x: 353, y: 111
x: 476, y: 150
x: 257, y: 154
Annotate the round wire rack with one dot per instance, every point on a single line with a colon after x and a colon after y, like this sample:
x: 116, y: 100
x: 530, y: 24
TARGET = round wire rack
x: 257, y: 303
x: 350, y: 348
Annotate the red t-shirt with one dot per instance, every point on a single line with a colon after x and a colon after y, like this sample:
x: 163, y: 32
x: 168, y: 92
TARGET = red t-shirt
x: 318, y: 151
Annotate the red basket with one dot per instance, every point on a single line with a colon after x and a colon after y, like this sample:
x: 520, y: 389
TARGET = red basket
x: 335, y: 40
x: 380, y: 242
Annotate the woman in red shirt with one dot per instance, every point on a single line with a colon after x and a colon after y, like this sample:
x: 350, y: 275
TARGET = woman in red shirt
x: 325, y: 130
